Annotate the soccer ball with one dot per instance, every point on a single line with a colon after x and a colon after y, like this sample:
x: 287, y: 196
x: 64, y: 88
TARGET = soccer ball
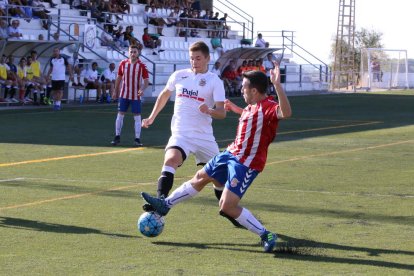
x: 150, y: 224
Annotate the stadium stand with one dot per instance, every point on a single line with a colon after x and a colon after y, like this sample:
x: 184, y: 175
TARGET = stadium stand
x: 79, y: 32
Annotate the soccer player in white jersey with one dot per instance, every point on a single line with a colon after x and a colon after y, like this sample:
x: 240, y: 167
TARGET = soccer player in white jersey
x: 130, y: 84
x: 57, y: 70
x: 237, y: 166
x: 199, y: 98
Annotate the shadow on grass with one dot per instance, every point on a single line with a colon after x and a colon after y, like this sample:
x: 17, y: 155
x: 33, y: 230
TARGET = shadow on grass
x: 312, y: 251
x: 304, y: 250
x: 24, y: 224
x: 403, y: 220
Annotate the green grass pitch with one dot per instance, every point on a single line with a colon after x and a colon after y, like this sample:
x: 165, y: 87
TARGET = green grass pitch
x: 338, y: 189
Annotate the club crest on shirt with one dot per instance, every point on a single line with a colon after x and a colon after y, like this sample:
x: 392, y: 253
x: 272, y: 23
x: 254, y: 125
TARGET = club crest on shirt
x: 234, y: 182
x: 202, y: 82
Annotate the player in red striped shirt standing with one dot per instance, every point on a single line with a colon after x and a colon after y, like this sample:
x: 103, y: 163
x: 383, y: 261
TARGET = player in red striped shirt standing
x: 130, y: 84
x: 237, y: 167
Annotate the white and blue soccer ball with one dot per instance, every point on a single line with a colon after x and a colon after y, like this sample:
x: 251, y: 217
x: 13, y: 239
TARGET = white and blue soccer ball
x: 150, y: 224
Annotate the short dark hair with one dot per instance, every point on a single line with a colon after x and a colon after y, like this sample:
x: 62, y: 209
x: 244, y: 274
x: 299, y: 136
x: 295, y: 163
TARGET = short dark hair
x: 200, y: 46
x: 257, y: 80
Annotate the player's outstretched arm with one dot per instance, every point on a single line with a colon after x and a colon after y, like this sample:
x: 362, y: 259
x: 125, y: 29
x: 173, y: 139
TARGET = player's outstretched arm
x: 284, y: 111
x: 230, y: 106
x: 162, y: 100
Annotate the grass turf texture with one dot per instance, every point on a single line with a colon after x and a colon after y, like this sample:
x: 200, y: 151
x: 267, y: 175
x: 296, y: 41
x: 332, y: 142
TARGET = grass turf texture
x: 338, y: 190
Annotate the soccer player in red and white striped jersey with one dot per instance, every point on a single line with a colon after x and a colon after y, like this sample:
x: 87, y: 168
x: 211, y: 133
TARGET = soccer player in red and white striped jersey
x: 244, y: 159
x: 130, y: 84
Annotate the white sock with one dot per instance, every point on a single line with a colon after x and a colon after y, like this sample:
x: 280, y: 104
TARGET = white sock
x: 168, y: 169
x: 185, y: 191
x: 137, y: 119
x: 250, y: 222
x: 118, y: 124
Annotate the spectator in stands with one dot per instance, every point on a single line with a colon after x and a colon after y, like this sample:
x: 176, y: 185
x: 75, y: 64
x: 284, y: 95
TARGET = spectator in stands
x: 83, y: 5
x: 155, y: 20
x: 16, y: 9
x: 216, y: 45
x: 4, y: 32
x: 57, y: 69
x: 120, y: 6
x: 108, y: 82
x: 231, y: 79
x: 107, y: 39
x: 216, y: 69
x: 174, y: 17
x: 129, y: 36
x: 151, y: 41
x: 260, y: 42
x: 14, y: 30
x: 91, y: 81
x: 40, y: 37
x: 198, y: 21
x: 118, y: 36
x: 56, y: 36
x: 223, y: 26
x: 39, y: 10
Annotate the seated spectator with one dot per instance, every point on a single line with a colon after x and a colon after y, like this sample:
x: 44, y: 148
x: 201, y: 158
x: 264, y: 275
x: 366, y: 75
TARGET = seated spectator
x: 83, y: 5
x: 260, y: 42
x: 4, y: 32
x: 56, y: 36
x: 223, y: 26
x: 151, y: 42
x: 108, y: 82
x: 216, y: 69
x: 118, y: 36
x: 39, y: 10
x: 16, y: 9
x: 231, y: 79
x: 14, y: 30
x: 120, y: 6
x: 91, y: 80
x: 155, y: 20
x: 242, y: 68
x: 216, y: 45
x: 173, y: 18
x: 130, y: 37
x: 106, y: 39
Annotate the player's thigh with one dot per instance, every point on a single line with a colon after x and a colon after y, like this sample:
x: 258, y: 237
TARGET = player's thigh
x: 204, y: 150
x: 123, y: 105
x: 239, y: 177
x: 178, y: 145
x: 136, y: 107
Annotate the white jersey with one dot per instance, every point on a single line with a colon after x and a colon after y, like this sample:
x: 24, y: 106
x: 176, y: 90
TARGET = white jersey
x: 58, y: 68
x: 191, y: 91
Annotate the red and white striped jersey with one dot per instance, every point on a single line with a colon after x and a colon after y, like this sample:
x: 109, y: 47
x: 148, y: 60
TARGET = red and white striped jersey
x: 132, y: 78
x: 257, y: 129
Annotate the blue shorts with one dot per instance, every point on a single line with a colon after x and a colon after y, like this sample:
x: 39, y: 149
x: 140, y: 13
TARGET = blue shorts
x: 123, y: 105
x: 226, y: 169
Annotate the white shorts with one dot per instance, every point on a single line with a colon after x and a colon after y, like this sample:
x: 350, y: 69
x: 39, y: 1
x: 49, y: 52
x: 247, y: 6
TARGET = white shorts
x: 203, y: 150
